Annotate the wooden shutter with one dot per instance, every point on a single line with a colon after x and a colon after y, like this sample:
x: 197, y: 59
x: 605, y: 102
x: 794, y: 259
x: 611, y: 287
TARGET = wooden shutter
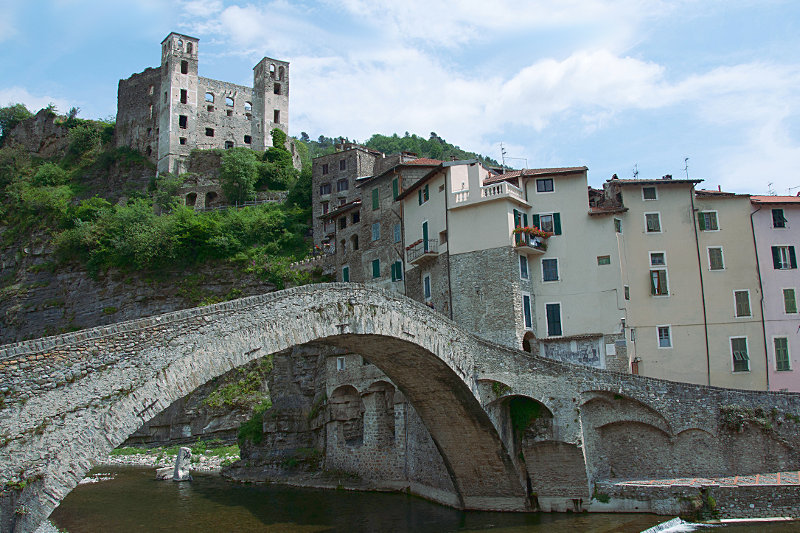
x: 535, y: 220
x: 701, y: 221
x: 792, y: 257
x: 517, y: 218
x: 557, y: 223
x: 776, y: 257
x: 376, y: 268
x: 395, y: 188
x: 553, y: 319
x: 426, y: 194
x: 419, y: 195
x: 375, y: 203
x: 525, y: 219
x: 425, y: 236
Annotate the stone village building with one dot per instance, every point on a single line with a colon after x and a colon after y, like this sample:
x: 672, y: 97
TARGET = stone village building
x: 167, y: 111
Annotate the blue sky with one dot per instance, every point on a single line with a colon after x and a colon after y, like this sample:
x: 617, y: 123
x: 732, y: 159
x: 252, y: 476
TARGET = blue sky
x: 612, y: 84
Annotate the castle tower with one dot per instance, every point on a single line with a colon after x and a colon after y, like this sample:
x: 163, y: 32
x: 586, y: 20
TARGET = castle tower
x: 177, y: 102
x: 270, y: 101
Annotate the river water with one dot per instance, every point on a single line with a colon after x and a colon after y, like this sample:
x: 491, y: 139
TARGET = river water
x: 135, y: 502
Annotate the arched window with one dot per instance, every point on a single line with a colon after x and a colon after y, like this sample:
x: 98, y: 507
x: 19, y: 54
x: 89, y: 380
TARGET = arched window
x: 189, y: 48
x: 180, y: 44
x: 210, y: 97
x: 272, y: 71
x: 211, y: 197
x: 229, y: 101
x: 191, y: 199
x: 248, y: 106
x: 281, y: 72
x: 347, y: 412
x: 149, y: 151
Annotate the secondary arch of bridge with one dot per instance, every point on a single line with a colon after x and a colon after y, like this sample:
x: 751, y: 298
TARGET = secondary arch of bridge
x: 58, y: 433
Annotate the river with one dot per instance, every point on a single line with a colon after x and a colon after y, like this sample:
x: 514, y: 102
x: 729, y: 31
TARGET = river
x: 135, y: 502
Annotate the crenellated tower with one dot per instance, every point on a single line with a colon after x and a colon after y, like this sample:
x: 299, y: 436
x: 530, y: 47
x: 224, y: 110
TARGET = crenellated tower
x: 270, y: 100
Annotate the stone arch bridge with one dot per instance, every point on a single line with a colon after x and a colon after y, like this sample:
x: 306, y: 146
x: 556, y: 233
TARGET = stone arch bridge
x: 68, y: 400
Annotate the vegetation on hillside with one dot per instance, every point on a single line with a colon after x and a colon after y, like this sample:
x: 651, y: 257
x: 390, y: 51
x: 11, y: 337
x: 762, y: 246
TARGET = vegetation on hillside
x: 434, y: 146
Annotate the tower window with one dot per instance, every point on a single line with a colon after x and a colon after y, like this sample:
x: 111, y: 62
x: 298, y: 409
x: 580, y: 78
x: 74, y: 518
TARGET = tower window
x: 276, y: 116
x: 182, y: 140
x: 247, y: 139
x: 210, y: 98
x: 248, y: 106
x: 189, y: 48
x: 228, y: 145
x: 281, y: 73
x: 184, y: 67
x: 229, y: 113
x: 150, y: 90
x: 276, y: 88
x: 183, y: 121
x: 210, y: 108
x: 209, y: 132
x: 184, y: 96
x: 272, y: 71
x: 229, y: 101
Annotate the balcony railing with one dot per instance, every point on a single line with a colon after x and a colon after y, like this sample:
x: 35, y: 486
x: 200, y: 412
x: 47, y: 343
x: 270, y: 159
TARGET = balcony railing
x: 422, y: 249
x: 529, y: 243
x: 490, y: 192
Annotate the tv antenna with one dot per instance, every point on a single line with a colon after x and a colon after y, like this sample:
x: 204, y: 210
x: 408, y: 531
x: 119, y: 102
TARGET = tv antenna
x: 503, y: 156
x: 636, y: 171
x: 770, y: 190
x: 686, y: 166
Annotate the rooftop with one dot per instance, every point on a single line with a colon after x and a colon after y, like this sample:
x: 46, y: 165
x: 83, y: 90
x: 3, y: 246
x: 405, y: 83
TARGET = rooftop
x: 775, y: 199
x: 666, y: 180
x: 533, y: 172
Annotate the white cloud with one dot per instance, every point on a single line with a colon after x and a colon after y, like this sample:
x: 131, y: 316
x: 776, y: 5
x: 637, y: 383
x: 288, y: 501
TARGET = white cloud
x: 14, y: 95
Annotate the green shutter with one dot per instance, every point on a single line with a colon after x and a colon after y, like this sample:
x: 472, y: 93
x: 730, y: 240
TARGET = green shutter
x: 557, y: 223
x: 426, y: 195
x: 395, y: 189
x: 375, y: 201
x: 419, y: 195
x: 376, y: 268
x: 776, y: 257
x: 701, y: 221
x: 517, y: 219
x: 525, y: 219
x: 535, y: 220
x: 425, y: 236
x: 792, y: 257
x: 789, y: 302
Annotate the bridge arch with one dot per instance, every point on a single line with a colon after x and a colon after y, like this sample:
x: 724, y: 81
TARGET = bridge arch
x: 110, y: 380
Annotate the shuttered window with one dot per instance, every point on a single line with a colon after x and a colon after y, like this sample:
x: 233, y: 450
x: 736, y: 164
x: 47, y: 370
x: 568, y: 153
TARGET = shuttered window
x: 781, y: 354
x: 652, y: 222
x: 527, y: 316
x: 789, y: 301
x: 550, y: 269
x: 741, y: 361
x: 783, y: 257
x: 707, y: 221
x: 658, y: 282
x: 553, y: 314
x: 778, y: 219
x: 375, y: 201
x: 345, y: 274
x: 395, y: 188
x: 376, y: 268
x: 715, y: 261
x: 397, y: 271
x: 742, y: 301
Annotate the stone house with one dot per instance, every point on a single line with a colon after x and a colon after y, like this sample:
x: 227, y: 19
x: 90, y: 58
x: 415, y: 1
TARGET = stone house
x: 167, y: 111
x: 774, y: 219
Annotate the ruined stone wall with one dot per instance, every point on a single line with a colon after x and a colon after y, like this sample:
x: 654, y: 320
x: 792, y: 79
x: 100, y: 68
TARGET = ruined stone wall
x: 40, y: 135
x: 138, y: 108
x: 231, y: 125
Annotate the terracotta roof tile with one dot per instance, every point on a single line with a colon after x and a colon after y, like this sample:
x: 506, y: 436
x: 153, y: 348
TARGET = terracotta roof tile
x: 775, y: 199
x: 531, y: 172
x: 423, y: 161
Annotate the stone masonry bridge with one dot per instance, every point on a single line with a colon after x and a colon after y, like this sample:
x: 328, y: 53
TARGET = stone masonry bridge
x: 67, y: 401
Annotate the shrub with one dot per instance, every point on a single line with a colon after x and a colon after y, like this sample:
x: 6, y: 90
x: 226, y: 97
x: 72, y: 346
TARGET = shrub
x: 50, y: 174
x: 10, y: 116
x: 238, y: 174
x: 83, y: 138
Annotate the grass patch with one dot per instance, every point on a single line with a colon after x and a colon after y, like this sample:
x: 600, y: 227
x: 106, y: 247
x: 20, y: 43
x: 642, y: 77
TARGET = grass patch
x: 253, y: 429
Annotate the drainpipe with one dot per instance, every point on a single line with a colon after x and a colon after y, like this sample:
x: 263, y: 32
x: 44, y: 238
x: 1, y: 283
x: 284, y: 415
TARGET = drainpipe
x: 761, y: 288
x: 702, y: 286
x: 447, y: 230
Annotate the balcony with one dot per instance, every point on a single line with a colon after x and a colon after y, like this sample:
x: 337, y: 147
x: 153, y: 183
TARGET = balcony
x: 485, y: 193
x: 422, y: 250
x: 530, y: 244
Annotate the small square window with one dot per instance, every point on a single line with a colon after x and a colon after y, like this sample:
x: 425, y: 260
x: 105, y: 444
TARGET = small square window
x: 209, y: 132
x: 544, y: 185
x: 340, y: 364
x: 603, y: 259
x: 183, y: 121
x: 342, y: 185
x: 550, y: 269
x: 324, y: 168
x: 210, y: 108
x: 664, y: 337
x: 182, y: 140
x: 658, y: 259
x: 707, y: 221
x: 228, y: 145
x: 228, y: 113
x: 247, y: 139
x: 649, y: 193
x: 652, y: 222
x: 324, y: 189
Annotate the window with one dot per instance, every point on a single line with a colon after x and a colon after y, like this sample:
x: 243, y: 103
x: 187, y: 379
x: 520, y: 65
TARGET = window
x: 182, y: 140
x: 553, y: 314
x: 228, y: 113
x: 778, y: 220
x: 523, y: 267
x: 324, y: 189
x: 423, y: 194
x: 183, y: 121
x: 652, y: 222
x: 210, y: 98
x: 184, y: 67
x: 395, y: 188
x: 627, y: 292
x: 209, y: 132
x: 150, y: 90
x: 603, y: 260
x: 340, y: 364
x: 184, y: 96
x: 544, y: 185
x: 247, y: 139
x: 547, y: 222
x: 443, y: 237
x: 229, y: 101
x: 550, y: 269
x: 342, y: 164
x: 342, y: 185
x: 356, y: 217
x: 658, y: 259
x: 354, y: 242
x: 527, y: 316
x: 781, y: 354
x: 210, y: 108
x: 342, y: 222
x: 376, y: 231
x: 324, y: 168
x: 165, y: 97
x: 658, y: 282
x: 397, y: 271
x: 426, y: 287
x: 276, y: 116
x: 189, y: 48
x: 715, y: 260
x: 248, y: 106
x: 397, y: 233
x: 228, y: 145
x: 649, y: 193
x: 741, y: 361
x: 376, y: 268
x: 618, y: 225
x: 345, y: 274
x: 375, y: 199
x: 664, y: 336
x: 741, y: 300
x: 151, y: 115
x: 707, y: 221
x: 789, y: 301
x: 783, y: 257
x: 276, y: 89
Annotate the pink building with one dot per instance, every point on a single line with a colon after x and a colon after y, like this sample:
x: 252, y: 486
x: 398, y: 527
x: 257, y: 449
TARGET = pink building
x: 776, y: 228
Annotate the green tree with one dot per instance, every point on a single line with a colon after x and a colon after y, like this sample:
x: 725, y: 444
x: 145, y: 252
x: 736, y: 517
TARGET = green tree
x: 10, y: 116
x: 83, y: 138
x: 238, y: 174
x: 50, y: 174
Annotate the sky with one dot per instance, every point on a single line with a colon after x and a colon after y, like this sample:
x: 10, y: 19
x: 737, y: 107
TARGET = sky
x: 621, y: 86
